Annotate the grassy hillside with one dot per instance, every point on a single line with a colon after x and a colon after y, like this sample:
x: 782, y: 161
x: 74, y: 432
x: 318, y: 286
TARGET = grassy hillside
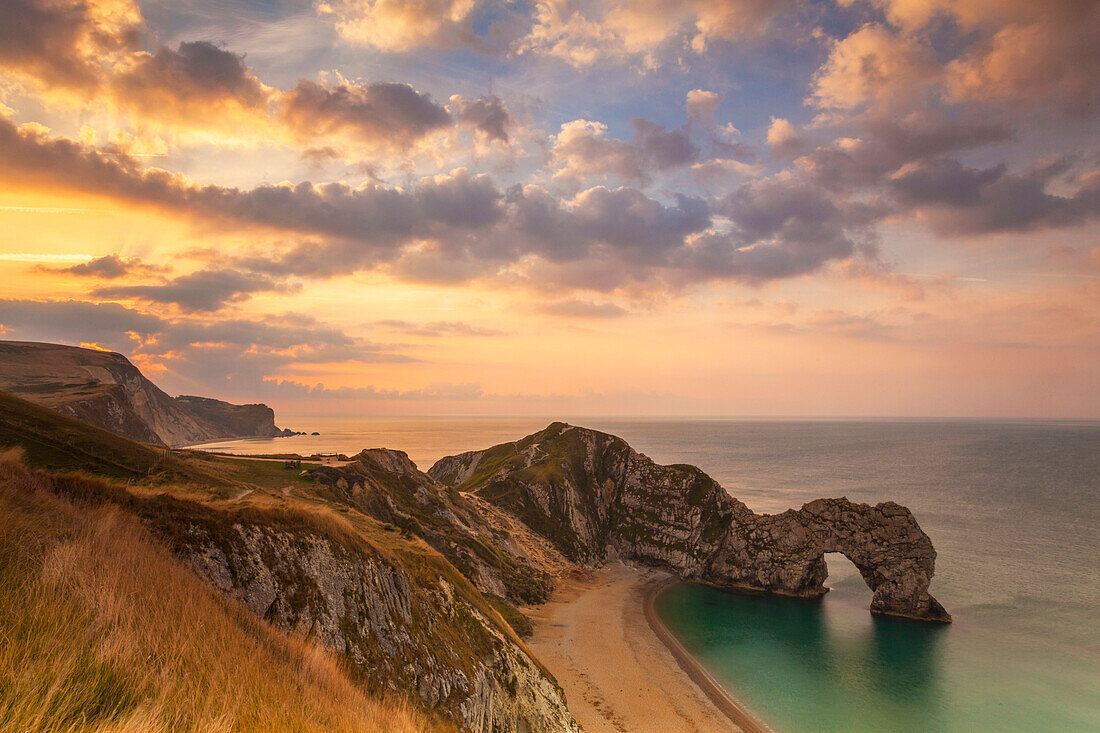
x: 56, y: 441
x: 102, y: 629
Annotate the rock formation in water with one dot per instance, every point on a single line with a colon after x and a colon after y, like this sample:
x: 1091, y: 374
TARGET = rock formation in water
x: 104, y: 389
x: 594, y: 497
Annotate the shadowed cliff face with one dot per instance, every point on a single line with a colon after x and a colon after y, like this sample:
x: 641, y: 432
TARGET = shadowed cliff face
x: 104, y: 389
x: 594, y: 497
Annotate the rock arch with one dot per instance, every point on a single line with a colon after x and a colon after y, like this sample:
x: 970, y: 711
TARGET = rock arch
x: 785, y: 553
x: 594, y: 497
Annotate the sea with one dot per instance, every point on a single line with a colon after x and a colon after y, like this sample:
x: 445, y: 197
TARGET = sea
x: 1012, y: 507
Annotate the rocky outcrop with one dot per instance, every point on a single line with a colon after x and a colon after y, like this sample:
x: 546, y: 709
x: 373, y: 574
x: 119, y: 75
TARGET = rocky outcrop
x: 401, y: 618
x: 593, y: 496
x: 425, y: 636
x: 104, y: 389
x: 501, y: 558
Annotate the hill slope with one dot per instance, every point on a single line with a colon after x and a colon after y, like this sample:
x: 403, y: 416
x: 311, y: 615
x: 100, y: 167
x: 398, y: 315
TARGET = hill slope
x: 103, y: 388
x: 105, y: 630
x: 400, y: 618
x: 53, y: 440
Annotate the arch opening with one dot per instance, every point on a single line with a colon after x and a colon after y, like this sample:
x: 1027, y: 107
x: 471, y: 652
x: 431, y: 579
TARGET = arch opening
x: 844, y: 577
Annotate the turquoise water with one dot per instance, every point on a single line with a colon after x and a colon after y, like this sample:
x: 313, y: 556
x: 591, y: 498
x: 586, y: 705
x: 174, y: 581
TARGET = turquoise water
x: 1013, y: 509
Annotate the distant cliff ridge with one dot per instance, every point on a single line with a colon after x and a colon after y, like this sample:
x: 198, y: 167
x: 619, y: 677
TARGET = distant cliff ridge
x: 103, y: 388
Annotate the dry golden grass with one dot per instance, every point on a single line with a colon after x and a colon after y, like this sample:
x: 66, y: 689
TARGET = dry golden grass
x: 101, y: 629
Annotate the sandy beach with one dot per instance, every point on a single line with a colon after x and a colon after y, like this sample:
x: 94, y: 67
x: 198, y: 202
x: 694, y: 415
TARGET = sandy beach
x: 618, y: 674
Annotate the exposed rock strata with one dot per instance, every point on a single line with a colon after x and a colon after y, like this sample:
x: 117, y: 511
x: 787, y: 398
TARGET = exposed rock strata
x: 592, y: 495
x: 501, y: 556
x: 396, y: 633
x: 399, y: 615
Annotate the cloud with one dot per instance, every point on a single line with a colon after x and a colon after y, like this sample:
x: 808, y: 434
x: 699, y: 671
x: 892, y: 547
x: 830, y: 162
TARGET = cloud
x: 90, y: 52
x: 837, y: 322
x: 73, y: 322
x: 959, y: 199
x: 110, y: 267
x: 1016, y: 53
x: 662, y: 148
x: 584, y: 33
x: 1047, y: 52
x: 878, y: 275
x: 887, y: 143
x: 573, y: 308
x: 781, y: 227
x: 462, y: 226
x: 487, y: 115
x: 205, y: 290
x: 377, y: 114
x: 701, y: 105
x: 197, y: 81
x: 218, y: 357
x: 438, y: 328
x: 721, y: 172
x: 292, y: 389
x: 582, y: 151
x: 874, y: 66
x: 784, y: 139
x: 66, y: 42
x: 400, y: 25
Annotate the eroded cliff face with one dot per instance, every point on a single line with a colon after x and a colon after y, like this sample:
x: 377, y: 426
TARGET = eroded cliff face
x: 398, y: 614
x: 227, y: 419
x: 424, y: 635
x: 501, y: 556
x: 104, y: 389
x: 592, y: 496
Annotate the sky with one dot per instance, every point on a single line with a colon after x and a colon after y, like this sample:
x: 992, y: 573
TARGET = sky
x: 559, y: 207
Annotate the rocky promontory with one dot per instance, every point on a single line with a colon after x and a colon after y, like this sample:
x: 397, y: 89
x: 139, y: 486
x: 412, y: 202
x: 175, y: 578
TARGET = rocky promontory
x: 104, y: 389
x: 594, y: 497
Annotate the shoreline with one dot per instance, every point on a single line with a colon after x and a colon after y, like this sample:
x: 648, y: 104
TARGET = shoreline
x: 618, y: 674
x: 691, y: 666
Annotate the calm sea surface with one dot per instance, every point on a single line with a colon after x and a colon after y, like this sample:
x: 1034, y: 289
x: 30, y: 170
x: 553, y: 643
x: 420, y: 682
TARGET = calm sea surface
x: 1013, y: 509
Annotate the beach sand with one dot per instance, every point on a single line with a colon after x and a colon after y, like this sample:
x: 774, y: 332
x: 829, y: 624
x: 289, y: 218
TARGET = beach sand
x: 617, y: 673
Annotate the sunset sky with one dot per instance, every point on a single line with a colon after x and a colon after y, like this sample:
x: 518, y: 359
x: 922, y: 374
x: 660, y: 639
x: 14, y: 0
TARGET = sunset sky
x: 653, y: 207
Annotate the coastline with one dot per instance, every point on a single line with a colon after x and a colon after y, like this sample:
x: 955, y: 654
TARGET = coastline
x: 618, y: 673
x: 691, y: 666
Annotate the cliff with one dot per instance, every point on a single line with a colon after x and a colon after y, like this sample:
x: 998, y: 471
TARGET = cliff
x: 496, y: 551
x: 246, y: 421
x: 104, y: 389
x: 400, y: 618
x: 593, y: 497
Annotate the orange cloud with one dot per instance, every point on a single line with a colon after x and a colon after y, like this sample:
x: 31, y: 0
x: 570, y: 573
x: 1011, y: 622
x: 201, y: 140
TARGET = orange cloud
x: 67, y: 43
x: 1021, y: 53
x: 873, y: 66
x: 400, y: 25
